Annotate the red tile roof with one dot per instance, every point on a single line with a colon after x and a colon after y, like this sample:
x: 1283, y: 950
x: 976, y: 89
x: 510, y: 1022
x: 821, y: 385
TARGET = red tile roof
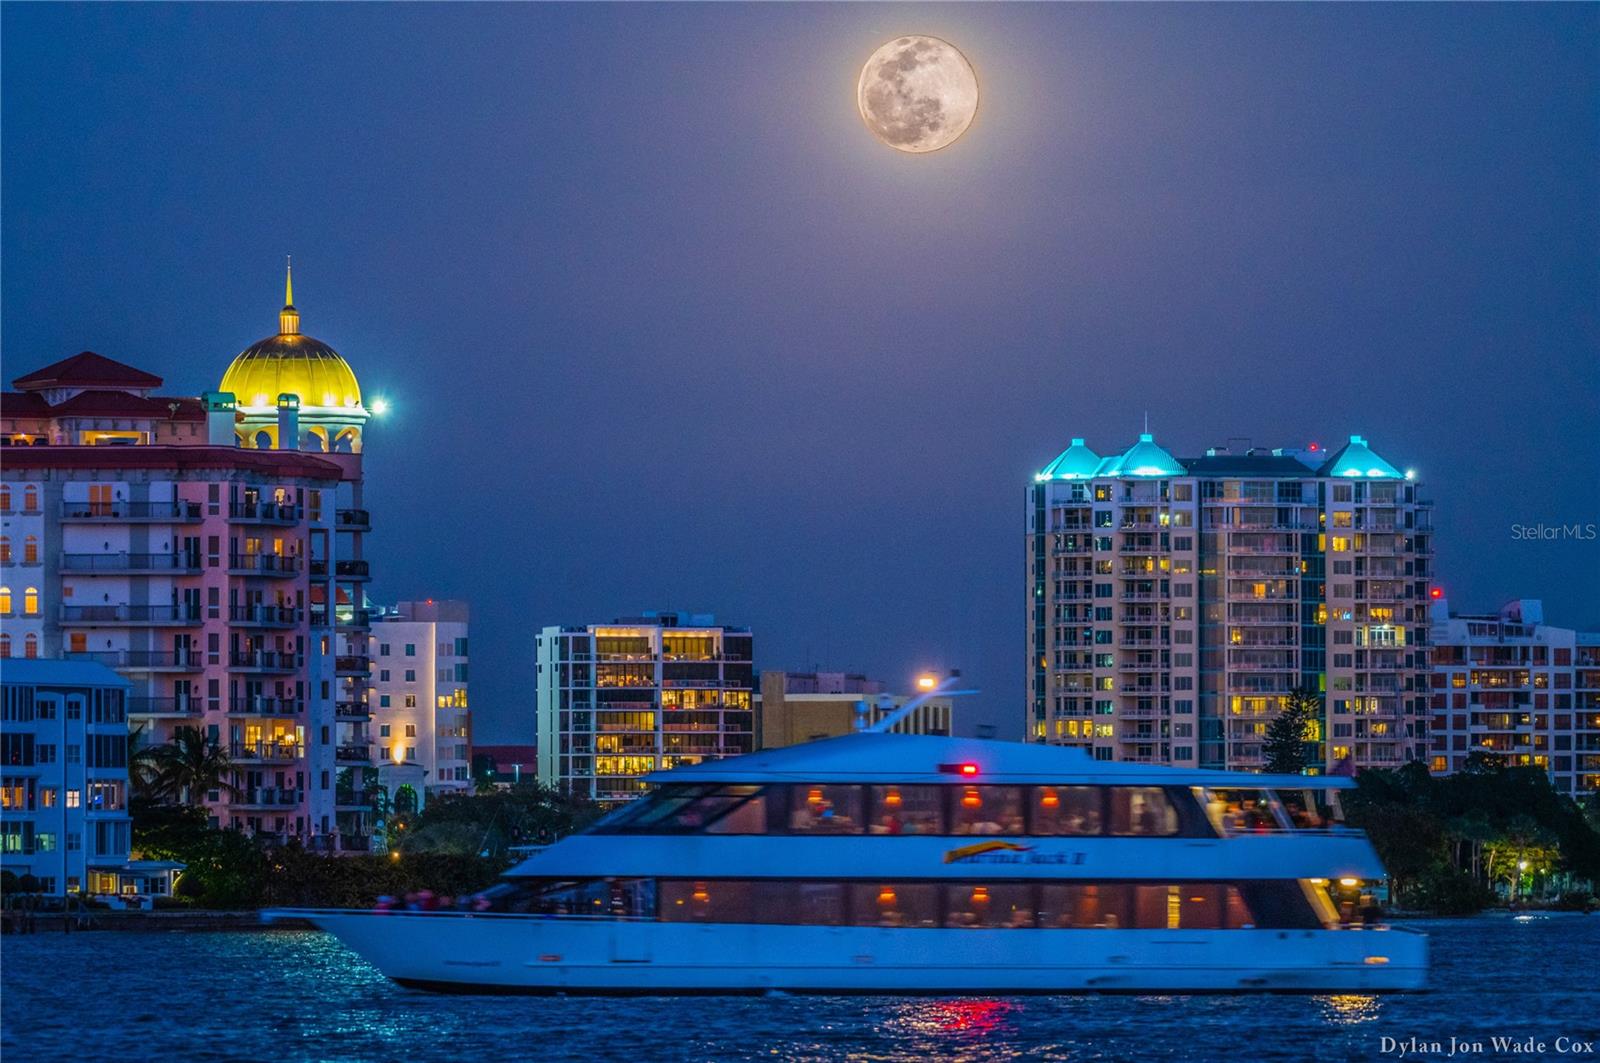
x: 274, y: 462
x: 23, y: 404
x: 87, y: 369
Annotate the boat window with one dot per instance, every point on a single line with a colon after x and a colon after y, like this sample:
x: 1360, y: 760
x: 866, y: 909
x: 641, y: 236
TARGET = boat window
x: 697, y: 814
x: 723, y: 901
x: 749, y: 816
x: 987, y: 810
x: 1084, y: 906
x: 641, y: 814
x: 906, y: 809
x: 1066, y: 810
x: 1142, y: 810
x: 894, y: 904
x: 1234, y: 811
x: 599, y: 897
x: 801, y: 903
x: 1305, y: 812
x: 820, y: 809
x: 987, y: 906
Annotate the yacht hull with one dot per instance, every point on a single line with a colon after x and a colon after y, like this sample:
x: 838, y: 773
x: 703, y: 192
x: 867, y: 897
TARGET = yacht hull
x: 491, y: 953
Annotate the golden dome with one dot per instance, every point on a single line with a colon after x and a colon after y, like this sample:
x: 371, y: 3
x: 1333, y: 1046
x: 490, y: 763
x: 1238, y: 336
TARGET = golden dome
x: 290, y: 363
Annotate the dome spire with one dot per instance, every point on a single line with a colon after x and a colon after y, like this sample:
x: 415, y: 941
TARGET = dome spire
x: 288, y: 317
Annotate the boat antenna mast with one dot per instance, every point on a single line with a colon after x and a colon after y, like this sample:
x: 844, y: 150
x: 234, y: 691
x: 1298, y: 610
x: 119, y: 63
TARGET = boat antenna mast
x: 946, y: 688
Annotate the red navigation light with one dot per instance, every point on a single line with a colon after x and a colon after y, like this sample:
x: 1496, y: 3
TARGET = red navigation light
x: 1436, y: 593
x: 967, y: 768
x: 1315, y: 447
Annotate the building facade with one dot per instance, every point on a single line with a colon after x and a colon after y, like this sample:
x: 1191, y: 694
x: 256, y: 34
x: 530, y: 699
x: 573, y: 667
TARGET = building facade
x: 64, y: 757
x: 1172, y: 604
x: 1511, y: 687
x: 617, y: 701
x: 424, y: 727
x: 795, y: 707
x: 211, y: 550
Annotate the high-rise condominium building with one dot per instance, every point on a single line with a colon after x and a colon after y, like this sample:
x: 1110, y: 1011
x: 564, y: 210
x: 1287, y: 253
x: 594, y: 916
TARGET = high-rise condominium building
x: 211, y: 550
x: 1174, y: 603
x: 617, y: 701
x: 1519, y: 690
x: 424, y: 730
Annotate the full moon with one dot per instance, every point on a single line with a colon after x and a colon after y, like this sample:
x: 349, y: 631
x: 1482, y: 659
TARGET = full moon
x: 917, y: 94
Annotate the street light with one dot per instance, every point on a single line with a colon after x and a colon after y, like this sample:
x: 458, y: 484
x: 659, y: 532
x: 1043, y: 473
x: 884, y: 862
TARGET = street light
x: 927, y: 681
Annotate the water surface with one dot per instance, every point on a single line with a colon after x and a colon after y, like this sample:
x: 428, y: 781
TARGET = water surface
x: 300, y: 995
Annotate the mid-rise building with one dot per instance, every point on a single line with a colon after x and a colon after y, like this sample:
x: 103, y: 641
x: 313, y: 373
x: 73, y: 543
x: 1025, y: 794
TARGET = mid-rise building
x: 795, y: 707
x: 64, y: 757
x: 424, y: 729
x: 211, y: 550
x: 1173, y: 604
x: 504, y: 766
x: 1518, y: 690
x: 617, y: 701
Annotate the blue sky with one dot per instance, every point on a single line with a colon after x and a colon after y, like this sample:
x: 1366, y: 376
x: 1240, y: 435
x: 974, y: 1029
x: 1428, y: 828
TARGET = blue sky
x: 664, y: 327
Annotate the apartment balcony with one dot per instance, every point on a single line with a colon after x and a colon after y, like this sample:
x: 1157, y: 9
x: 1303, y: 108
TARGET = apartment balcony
x: 351, y: 711
x: 173, y: 707
x: 131, y: 615
x: 262, y: 661
x: 1141, y: 596
x: 1138, y: 642
x: 269, y: 566
x: 353, y: 520
x: 266, y: 752
x: 354, y: 800
x: 264, y: 705
x: 274, y: 616
x: 265, y: 797
x: 280, y: 513
x: 353, y: 754
x: 123, y: 564
x: 352, y: 666
x: 353, y: 619
x: 1137, y: 712
x: 141, y: 660
x: 120, y: 512
x: 356, y: 571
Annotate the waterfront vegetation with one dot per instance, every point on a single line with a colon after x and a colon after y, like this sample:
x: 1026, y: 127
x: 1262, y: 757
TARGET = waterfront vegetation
x: 458, y: 844
x: 1486, y: 835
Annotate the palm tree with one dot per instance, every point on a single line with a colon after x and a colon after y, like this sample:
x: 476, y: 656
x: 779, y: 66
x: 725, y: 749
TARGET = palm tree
x: 187, y: 767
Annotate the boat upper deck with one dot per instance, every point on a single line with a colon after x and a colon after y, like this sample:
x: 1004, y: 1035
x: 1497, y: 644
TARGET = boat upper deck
x: 869, y: 757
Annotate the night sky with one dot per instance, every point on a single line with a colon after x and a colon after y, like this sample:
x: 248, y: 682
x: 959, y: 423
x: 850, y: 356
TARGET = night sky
x: 664, y: 327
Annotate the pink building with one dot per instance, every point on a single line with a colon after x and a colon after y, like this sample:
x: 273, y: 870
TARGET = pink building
x: 177, y: 541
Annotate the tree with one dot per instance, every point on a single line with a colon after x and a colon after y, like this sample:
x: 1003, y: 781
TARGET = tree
x: 1293, y: 732
x: 184, y: 769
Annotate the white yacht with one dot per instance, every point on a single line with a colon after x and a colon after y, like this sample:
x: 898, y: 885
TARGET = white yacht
x: 890, y: 863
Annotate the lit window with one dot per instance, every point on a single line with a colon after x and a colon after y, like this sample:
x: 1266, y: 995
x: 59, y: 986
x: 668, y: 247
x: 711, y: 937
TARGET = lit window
x: 74, y: 798
x: 30, y: 601
x: 5, y: 600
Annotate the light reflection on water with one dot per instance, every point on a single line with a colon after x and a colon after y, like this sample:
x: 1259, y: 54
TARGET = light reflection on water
x: 296, y: 995
x: 1351, y: 1009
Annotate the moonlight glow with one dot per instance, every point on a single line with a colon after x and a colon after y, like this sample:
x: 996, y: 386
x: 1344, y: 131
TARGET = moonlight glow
x: 917, y: 94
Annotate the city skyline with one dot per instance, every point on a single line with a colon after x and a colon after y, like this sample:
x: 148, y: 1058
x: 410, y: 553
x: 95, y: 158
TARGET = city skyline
x: 807, y: 389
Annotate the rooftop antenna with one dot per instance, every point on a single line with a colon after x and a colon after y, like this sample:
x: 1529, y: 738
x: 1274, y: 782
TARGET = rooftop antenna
x: 945, y: 689
x: 1147, y: 422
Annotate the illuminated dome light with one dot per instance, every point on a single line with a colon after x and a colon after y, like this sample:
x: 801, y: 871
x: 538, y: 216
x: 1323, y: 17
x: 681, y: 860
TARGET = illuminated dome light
x: 1077, y: 462
x: 1147, y: 458
x: 1357, y: 460
x: 291, y: 363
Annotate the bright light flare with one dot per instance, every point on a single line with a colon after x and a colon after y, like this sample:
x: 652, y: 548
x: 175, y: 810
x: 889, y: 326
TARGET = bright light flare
x: 380, y: 407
